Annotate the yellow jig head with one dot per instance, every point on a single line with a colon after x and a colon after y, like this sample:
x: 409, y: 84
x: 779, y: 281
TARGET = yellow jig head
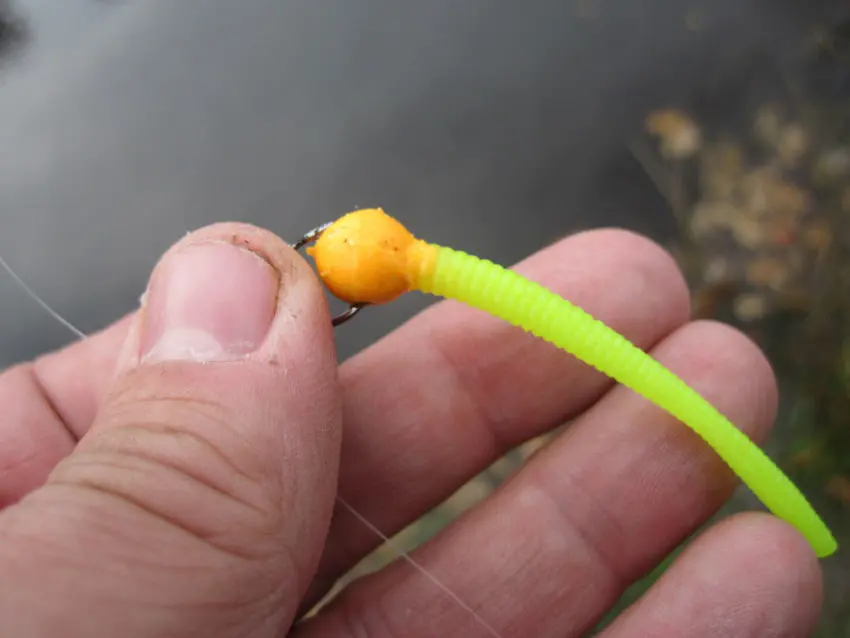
x: 367, y: 257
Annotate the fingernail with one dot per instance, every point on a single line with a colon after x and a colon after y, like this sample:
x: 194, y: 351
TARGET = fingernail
x: 208, y: 302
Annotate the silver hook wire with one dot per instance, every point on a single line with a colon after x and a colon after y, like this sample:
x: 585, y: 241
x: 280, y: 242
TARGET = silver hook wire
x: 311, y: 237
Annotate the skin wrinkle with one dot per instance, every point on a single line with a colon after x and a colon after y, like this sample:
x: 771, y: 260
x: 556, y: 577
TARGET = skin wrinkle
x: 560, y: 542
x: 201, y: 532
x: 375, y: 613
x: 49, y: 400
x: 546, y: 556
x: 58, y: 372
x: 218, y: 594
x: 565, y: 547
x: 135, y: 549
x: 207, y: 412
x: 259, y: 485
x: 282, y: 556
x: 18, y: 465
x: 274, y: 513
x: 121, y: 500
x: 157, y: 426
x: 150, y: 461
x: 669, y: 448
x: 609, y: 568
x: 41, y: 439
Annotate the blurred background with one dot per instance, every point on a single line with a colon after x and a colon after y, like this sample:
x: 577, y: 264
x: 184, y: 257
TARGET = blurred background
x: 718, y: 128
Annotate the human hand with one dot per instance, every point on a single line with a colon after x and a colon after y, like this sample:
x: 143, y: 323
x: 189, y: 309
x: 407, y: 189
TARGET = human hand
x: 172, y: 497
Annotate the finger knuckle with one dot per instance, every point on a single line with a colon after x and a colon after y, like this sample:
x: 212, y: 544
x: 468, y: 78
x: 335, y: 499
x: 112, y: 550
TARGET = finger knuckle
x: 181, y: 462
x: 724, y: 358
x: 359, y: 613
x: 653, y: 268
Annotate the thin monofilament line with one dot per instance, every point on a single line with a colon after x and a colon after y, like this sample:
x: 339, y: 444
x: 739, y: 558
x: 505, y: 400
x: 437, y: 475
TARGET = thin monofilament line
x: 401, y: 553
x: 79, y: 333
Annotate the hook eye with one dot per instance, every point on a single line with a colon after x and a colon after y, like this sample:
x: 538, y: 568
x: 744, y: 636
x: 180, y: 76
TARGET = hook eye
x: 310, y: 238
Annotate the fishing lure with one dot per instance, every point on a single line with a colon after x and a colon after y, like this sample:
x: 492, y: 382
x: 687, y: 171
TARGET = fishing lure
x: 367, y: 257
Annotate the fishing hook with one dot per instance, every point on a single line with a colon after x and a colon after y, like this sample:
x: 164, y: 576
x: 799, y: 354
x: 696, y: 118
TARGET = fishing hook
x: 309, y: 238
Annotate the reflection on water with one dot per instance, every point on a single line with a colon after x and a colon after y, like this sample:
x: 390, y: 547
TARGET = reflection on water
x: 13, y: 30
x: 37, y: 32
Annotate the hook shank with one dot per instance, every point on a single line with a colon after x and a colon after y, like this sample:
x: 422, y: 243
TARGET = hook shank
x: 311, y: 237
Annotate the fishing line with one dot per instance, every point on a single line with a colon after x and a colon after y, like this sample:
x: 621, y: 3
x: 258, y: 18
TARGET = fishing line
x: 31, y: 293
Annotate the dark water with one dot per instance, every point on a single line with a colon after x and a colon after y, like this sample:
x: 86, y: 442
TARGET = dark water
x: 492, y: 126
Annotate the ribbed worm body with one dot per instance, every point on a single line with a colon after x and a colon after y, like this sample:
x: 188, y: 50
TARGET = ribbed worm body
x: 523, y: 303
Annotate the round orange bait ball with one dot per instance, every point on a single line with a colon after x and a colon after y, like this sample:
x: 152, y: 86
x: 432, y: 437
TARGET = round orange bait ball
x: 365, y: 257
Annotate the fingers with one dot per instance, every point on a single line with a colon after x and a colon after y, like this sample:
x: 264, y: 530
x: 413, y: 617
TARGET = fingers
x: 48, y: 405
x: 33, y: 436
x: 750, y: 576
x: 77, y: 397
x: 198, y: 501
x: 452, y: 365
x: 587, y: 516
x: 434, y: 403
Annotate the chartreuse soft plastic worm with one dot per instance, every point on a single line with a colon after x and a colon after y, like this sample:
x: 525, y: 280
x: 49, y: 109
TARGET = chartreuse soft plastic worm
x: 367, y: 257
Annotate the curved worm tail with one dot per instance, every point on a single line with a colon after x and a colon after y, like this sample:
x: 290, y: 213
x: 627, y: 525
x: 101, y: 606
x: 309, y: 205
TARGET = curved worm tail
x: 523, y: 303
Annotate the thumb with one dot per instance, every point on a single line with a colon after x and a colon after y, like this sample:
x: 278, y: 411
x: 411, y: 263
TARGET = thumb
x: 198, y: 502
